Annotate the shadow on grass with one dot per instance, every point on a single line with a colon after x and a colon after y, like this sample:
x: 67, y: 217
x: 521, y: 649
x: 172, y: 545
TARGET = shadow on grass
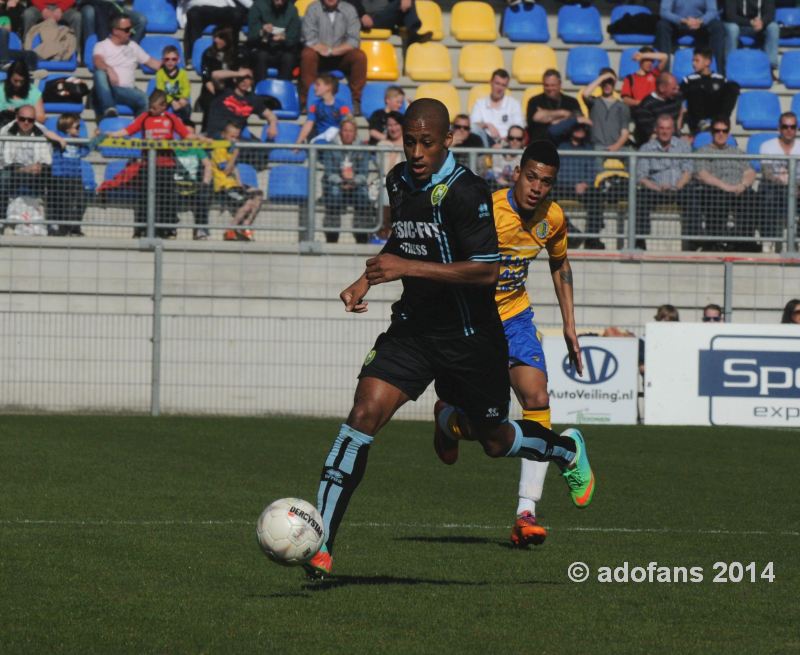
x: 294, y: 594
x: 458, y: 539
x: 356, y: 580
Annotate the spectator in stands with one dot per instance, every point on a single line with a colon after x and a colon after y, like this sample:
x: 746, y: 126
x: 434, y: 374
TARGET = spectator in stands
x: 11, y: 10
x: 157, y: 123
x: 696, y: 18
x: 642, y: 82
x: 26, y: 164
x: 501, y: 173
x: 707, y: 94
x: 66, y: 196
x: 195, y: 15
x: 552, y: 114
x: 326, y: 114
x: 666, y: 99
x: 63, y: 12
x: 221, y: 65
x: 393, y: 140
x: 237, y: 105
x: 464, y: 138
x: 173, y: 80
x: 17, y: 91
x: 390, y: 15
x: 756, y: 19
x: 712, y: 313
x: 273, y: 37
x: 344, y: 184
x: 6, y: 53
x: 393, y: 100
x: 791, y: 312
x: 116, y: 60
x: 725, y: 187
x: 575, y: 181
x: 194, y: 184
x: 331, y: 32
x: 668, y: 313
x: 243, y: 201
x: 775, y: 175
x: 609, y: 115
x: 492, y: 115
x: 97, y: 16
x: 664, y: 180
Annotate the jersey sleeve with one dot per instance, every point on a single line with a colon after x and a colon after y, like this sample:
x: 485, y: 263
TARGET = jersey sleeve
x: 471, y: 218
x: 557, y: 244
x: 137, y: 125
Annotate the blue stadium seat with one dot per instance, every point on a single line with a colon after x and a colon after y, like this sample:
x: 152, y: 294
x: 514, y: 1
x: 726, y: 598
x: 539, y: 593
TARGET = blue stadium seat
x: 750, y: 68
x: 704, y: 138
x: 578, y: 24
x: 14, y: 42
x: 342, y: 94
x: 287, y: 133
x: 160, y: 14
x: 754, y: 144
x: 686, y: 40
x: 285, y: 92
x: 248, y: 175
x: 790, y: 17
x: 526, y: 23
x: 200, y: 46
x: 790, y: 69
x: 88, y: 48
x: 153, y: 44
x: 112, y: 125
x: 59, y: 107
x: 87, y: 175
x: 67, y: 66
x: 51, y: 123
x: 796, y: 104
x: 584, y: 63
x: 626, y: 63
x: 758, y: 110
x: 372, y: 97
x: 288, y: 184
x: 629, y: 39
x: 682, y: 63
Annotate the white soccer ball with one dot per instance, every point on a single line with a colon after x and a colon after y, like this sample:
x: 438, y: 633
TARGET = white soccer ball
x: 290, y: 531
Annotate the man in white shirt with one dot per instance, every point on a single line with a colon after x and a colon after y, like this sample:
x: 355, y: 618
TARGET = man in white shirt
x: 775, y: 185
x: 115, y: 60
x: 493, y: 115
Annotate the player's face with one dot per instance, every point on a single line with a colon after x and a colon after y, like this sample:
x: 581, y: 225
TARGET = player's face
x: 425, y: 145
x: 533, y: 184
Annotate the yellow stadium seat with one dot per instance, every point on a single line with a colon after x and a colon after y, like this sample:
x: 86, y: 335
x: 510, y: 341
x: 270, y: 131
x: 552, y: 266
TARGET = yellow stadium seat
x: 430, y: 14
x: 534, y: 90
x: 477, y: 61
x: 477, y: 91
x: 302, y: 5
x: 428, y: 62
x: 446, y: 93
x: 531, y: 61
x: 473, y: 21
x: 381, y: 60
x: 376, y: 34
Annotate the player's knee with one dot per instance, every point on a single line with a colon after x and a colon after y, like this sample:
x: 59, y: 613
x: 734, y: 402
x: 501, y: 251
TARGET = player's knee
x: 366, y: 417
x: 532, y: 400
x: 494, y: 447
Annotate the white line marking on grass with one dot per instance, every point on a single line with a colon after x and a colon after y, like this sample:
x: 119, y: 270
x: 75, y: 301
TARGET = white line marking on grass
x: 416, y: 526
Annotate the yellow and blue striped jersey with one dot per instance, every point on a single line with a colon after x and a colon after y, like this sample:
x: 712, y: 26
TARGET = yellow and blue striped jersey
x: 520, y: 242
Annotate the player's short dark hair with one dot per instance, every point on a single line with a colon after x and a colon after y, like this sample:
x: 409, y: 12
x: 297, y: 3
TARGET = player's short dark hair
x: 605, y: 70
x: 714, y: 306
x: 457, y: 116
x: 170, y: 50
x: 704, y: 51
x: 543, y: 152
x: 667, y: 313
x: 395, y: 116
x: 331, y: 81
x: 430, y: 110
x: 787, y: 114
x: 647, y: 49
x: 116, y: 19
x: 551, y: 72
x: 788, y: 310
x: 502, y: 73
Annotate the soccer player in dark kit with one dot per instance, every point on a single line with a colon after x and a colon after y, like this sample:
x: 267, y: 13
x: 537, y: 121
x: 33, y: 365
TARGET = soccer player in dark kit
x: 444, y: 329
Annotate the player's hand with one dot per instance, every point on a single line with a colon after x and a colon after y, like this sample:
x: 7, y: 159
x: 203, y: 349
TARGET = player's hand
x: 353, y: 296
x: 386, y: 268
x: 574, y: 350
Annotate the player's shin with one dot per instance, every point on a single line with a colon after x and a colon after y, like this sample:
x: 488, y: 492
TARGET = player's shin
x: 344, y: 468
x: 536, y: 442
x: 532, y: 473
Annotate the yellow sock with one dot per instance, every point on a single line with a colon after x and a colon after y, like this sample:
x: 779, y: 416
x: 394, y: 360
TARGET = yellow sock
x: 454, y: 427
x: 541, y: 416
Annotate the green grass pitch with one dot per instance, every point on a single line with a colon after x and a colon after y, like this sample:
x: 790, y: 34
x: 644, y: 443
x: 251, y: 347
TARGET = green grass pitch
x: 137, y: 535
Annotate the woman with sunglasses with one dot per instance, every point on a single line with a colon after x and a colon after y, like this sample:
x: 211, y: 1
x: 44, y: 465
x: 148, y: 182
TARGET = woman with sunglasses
x: 791, y: 313
x: 17, y: 91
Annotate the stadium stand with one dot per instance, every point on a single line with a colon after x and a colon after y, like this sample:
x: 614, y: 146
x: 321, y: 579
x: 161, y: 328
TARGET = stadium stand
x: 59, y: 107
x: 287, y: 184
x: 754, y: 145
x: 477, y: 91
x: 788, y: 17
x: 67, y: 66
x: 161, y: 17
x: 749, y: 68
x: 477, y: 61
x: 577, y: 24
x: 373, y: 97
x: 682, y: 63
x: 446, y: 93
x: 154, y: 44
x: 790, y: 69
x: 530, y: 61
x: 430, y: 15
x: 376, y: 34
x: 526, y: 23
x: 302, y: 5
x: 630, y: 39
x: 795, y: 106
x: 287, y: 133
x: 428, y: 62
x: 283, y: 91
x: 584, y: 63
x: 473, y: 21
x: 381, y: 60
x: 758, y: 110
x: 704, y: 138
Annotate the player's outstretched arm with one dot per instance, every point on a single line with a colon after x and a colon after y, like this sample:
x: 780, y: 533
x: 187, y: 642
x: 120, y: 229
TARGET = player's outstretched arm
x: 353, y: 296
x: 562, y: 283
x: 387, y: 268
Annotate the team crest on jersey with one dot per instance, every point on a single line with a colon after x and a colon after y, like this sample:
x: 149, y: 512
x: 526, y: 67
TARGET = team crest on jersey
x: 542, y: 229
x: 483, y: 210
x: 370, y: 356
x: 438, y: 193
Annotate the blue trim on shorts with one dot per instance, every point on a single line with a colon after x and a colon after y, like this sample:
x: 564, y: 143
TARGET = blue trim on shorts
x: 524, y: 347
